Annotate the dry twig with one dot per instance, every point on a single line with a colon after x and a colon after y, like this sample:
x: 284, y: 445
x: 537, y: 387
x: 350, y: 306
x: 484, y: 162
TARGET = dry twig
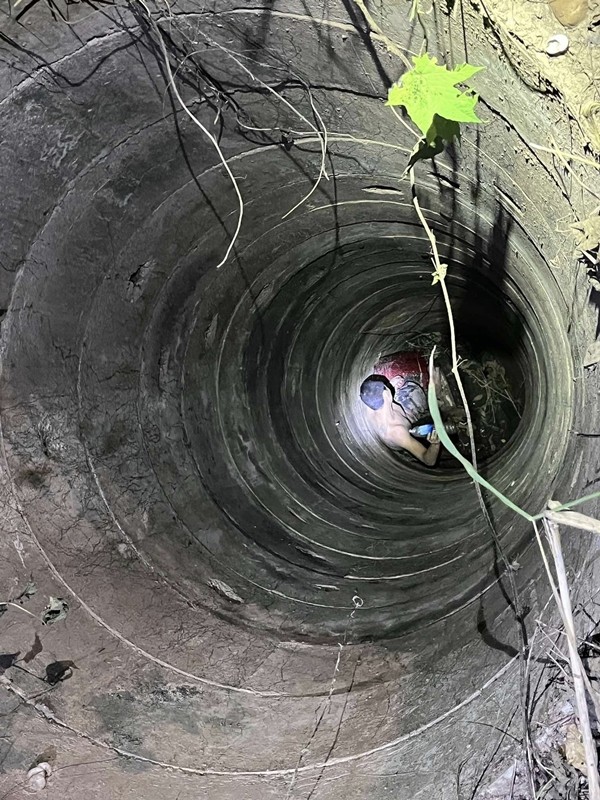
x: 564, y: 154
x: 203, y: 128
x: 577, y: 670
x: 571, y: 519
x: 238, y: 58
x: 440, y: 274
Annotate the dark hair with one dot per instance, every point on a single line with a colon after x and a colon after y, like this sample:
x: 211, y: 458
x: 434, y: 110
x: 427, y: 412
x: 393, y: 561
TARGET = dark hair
x: 371, y: 391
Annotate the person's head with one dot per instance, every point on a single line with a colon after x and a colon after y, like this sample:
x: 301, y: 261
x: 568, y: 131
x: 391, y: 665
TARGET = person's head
x: 373, y: 391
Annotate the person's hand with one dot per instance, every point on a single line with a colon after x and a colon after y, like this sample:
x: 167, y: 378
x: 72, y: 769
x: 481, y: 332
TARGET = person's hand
x: 433, y: 438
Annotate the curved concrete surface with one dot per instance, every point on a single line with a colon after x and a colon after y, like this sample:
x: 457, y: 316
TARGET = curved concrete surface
x: 259, y: 595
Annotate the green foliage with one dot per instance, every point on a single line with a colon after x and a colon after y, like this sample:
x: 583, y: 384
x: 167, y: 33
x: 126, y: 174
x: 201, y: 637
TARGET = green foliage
x: 470, y: 469
x: 429, y: 94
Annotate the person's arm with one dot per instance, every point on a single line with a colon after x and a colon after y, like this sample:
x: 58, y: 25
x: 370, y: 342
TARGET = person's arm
x: 402, y: 440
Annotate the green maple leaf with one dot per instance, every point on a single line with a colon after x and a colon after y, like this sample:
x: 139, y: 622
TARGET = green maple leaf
x: 429, y: 90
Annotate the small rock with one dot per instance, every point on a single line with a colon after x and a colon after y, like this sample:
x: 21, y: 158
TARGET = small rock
x: 569, y: 12
x: 37, y: 777
x: 557, y: 44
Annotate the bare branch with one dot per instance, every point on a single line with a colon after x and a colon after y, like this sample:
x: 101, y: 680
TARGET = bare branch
x: 577, y: 670
x: 573, y: 520
x: 202, y: 127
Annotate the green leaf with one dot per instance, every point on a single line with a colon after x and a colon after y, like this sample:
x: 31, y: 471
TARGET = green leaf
x: 429, y: 89
x: 396, y: 94
x: 464, y: 72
